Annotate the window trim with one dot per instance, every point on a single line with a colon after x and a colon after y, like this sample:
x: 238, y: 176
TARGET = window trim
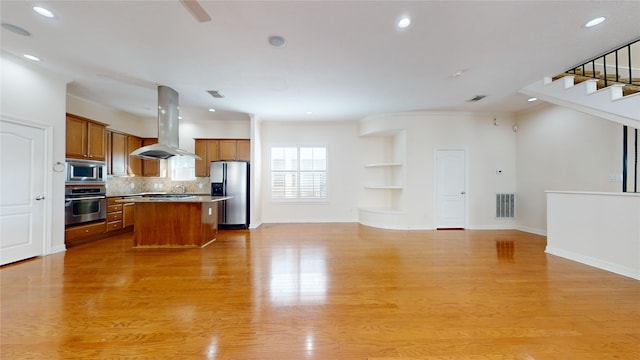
x: 297, y: 199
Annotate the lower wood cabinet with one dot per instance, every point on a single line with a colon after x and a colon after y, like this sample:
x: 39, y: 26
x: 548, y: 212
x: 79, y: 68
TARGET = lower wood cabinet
x: 114, y: 214
x: 128, y: 213
x: 119, y: 215
x: 82, y: 233
x: 120, y: 218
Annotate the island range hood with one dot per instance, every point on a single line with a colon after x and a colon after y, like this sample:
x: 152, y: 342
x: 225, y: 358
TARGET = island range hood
x: 167, y: 145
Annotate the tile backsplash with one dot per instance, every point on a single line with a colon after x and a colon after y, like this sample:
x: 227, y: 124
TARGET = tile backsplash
x: 126, y: 185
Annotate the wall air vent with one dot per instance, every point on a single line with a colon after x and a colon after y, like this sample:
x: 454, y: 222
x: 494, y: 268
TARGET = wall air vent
x: 506, y: 205
x: 477, y: 98
x: 215, y: 93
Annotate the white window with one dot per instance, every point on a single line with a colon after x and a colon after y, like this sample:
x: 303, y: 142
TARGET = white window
x: 182, y: 168
x: 298, y: 173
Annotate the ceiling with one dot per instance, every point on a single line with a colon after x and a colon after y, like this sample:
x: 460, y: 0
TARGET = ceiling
x: 342, y: 59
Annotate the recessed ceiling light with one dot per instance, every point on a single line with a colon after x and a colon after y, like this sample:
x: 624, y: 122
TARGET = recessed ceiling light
x: 403, y: 22
x: 594, y: 22
x: 277, y: 41
x: 532, y: 99
x: 42, y: 11
x: 31, y: 57
x: 309, y: 112
x: 16, y: 29
x: 212, y: 110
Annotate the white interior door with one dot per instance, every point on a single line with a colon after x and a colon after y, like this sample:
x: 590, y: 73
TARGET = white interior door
x: 450, y: 189
x: 22, y: 184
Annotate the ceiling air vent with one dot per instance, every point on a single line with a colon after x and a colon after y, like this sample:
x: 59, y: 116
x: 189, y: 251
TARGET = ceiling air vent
x: 215, y: 93
x: 477, y: 98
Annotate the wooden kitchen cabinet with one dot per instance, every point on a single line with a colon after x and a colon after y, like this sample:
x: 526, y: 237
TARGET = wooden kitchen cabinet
x: 135, y: 163
x: 235, y: 150
x: 243, y: 150
x: 220, y: 149
x: 121, y: 145
x: 119, y: 154
x: 119, y: 215
x: 82, y: 233
x: 114, y: 215
x: 85, y: 138
x: 207, y: 149
x: 155, y: 168
x: 128, y: 214
x: 107, y: 155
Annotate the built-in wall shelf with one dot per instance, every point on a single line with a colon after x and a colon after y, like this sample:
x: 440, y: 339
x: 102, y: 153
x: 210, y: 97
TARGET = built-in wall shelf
x: 384, y: 167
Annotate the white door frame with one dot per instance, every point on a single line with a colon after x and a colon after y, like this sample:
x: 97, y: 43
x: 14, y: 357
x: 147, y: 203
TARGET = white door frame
x: 435, y: 184
x: 48, y: 176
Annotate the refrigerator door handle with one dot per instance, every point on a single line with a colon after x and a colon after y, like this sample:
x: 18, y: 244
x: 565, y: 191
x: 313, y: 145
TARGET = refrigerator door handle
x: 224, y: 192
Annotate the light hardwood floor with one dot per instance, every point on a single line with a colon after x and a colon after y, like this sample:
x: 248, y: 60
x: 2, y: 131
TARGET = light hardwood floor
x: 319, y: 291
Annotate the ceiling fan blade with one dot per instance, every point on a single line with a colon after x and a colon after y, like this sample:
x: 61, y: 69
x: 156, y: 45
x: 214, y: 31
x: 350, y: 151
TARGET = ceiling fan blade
x: 196, y: 10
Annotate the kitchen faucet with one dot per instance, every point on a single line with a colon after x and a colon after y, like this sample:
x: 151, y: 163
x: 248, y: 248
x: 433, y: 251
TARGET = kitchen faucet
x: 182, y: 188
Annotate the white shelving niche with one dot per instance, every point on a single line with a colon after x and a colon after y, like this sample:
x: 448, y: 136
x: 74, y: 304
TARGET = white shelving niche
x: 384, y: 174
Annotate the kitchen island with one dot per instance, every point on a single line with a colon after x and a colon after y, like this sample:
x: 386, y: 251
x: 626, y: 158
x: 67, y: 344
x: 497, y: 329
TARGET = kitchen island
x: 175, y: 220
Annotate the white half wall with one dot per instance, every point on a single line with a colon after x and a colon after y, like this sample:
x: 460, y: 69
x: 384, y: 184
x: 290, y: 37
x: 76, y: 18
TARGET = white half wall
x: 597, y: 229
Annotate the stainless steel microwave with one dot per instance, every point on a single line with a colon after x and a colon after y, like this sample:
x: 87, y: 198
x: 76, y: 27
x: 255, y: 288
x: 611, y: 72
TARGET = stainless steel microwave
x: 85, y: 171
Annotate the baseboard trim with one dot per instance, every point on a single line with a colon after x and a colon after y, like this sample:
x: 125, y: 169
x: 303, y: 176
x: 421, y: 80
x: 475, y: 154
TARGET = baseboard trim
x: 593, y: 262
x: 57, y: 249
x: 532, y: 230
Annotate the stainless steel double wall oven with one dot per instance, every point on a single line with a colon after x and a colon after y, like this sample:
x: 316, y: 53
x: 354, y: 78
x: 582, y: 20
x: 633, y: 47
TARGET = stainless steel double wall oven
x: 85, y: 192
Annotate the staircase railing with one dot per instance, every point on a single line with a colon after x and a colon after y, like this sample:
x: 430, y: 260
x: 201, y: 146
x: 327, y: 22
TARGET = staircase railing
x: 619, y: 66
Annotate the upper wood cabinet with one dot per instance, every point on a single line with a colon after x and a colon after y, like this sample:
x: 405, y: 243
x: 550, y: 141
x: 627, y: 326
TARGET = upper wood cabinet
x: 207, y: 149
x: 244, y: 150
x: 119, y: 155
x: 120, y: 146
x: 235, y: 150
x: 107, y: 155
x: 154, y: 168
x: 135, y: 163
x: 86, y: 139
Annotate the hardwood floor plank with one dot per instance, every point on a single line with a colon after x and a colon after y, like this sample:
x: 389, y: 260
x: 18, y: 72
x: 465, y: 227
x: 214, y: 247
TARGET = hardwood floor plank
x: 319, y: 291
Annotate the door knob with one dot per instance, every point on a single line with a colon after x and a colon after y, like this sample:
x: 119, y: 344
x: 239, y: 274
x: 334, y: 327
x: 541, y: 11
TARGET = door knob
x: 41, y: 197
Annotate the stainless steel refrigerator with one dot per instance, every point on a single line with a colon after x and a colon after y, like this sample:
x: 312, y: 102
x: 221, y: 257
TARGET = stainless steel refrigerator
x: 231, y: 178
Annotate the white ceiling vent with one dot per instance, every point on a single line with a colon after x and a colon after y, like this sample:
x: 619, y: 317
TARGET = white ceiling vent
x: 215, y: 93
x: 477, y: 98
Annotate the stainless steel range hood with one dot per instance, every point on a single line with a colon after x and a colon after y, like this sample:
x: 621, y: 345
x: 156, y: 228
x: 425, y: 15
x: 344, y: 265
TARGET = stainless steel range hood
x: 167, y: 145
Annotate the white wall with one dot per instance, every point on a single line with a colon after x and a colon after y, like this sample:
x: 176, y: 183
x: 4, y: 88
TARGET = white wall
x: 190, y: 129
x: 30, y: 93
x: 257, y: 175
x: 488, y: 147
x: 115, y: 119
x: 562, y: 149
x: 341, y: 139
